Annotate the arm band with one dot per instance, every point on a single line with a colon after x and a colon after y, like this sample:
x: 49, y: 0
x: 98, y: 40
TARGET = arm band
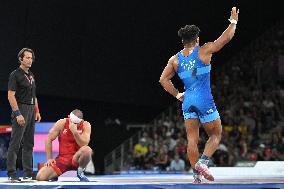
x: 36, y: 109
x: 233, y: 21
x: 179, y: 95
x: 17, y: 113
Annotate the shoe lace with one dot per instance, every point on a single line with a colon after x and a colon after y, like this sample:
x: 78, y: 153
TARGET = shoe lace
x: 81, y: 174
x: 203, y: 161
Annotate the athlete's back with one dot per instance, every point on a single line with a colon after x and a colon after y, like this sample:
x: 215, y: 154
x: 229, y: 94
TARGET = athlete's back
x: 194, y: 73
x: 198, y: 101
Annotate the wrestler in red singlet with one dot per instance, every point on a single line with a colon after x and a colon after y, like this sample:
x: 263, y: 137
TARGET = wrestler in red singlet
x: 67, y: 148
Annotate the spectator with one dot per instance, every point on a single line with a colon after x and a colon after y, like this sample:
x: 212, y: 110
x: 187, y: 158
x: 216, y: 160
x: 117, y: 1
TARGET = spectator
x: 161, y: 160
x: 177, y: 164
x: 150, y: 157
x: 170, y: 142
x: 140, y: 151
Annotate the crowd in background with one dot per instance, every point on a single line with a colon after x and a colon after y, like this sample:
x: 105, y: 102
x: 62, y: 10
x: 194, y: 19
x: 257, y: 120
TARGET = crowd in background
x: 250, y: 100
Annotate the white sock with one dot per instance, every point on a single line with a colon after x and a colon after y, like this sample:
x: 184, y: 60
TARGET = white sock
x: 80, y: 169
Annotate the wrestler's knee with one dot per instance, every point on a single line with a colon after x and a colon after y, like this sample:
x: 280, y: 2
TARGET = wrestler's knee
x: 40, y: 176
x: 86, y: 151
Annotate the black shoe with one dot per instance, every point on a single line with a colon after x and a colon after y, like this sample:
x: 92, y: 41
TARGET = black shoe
x: 14, y: 178
x: 27, y: 178
x: 30, y: 177
x: 54, y: 179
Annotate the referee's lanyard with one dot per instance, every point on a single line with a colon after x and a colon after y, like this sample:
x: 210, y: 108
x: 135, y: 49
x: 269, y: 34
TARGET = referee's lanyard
x: 30, y: 79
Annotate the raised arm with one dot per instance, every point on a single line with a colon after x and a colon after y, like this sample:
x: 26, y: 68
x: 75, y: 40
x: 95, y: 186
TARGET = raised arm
x: 227, y: 35
x: 165, y: 79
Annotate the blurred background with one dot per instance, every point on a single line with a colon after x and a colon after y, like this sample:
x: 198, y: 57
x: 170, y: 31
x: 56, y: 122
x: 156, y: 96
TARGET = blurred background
x: 106, y: 57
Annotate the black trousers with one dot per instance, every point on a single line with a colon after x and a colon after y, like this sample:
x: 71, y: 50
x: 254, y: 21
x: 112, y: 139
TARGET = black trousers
x: 22, y: 135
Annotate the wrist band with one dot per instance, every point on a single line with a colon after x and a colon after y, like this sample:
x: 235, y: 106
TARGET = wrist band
x: 17, y: 113
x: 179, y: 95
x: 36, y: 109
x: 233, y: 21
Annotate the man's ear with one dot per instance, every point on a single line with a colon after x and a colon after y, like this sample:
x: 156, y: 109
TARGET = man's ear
x: 197, y: 40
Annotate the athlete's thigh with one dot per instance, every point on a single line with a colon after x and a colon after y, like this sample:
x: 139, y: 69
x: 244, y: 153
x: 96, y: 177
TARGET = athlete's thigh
x: 47, y: 173
x: 213, y: 127
x: 192, y: 128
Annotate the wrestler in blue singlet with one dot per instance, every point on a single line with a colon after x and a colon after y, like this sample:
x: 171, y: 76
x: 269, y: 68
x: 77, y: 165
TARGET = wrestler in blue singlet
x: 198, y: 101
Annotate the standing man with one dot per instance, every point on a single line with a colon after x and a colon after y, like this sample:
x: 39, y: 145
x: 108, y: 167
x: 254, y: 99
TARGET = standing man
x: 74, y: 153
x: 192, y: 65
x: 24, y: 104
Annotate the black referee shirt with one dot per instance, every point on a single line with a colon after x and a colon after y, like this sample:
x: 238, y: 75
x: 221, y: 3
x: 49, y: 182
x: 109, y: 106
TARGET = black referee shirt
x: 24, y: 85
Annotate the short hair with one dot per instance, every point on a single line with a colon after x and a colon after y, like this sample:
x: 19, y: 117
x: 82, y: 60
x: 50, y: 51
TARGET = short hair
x: 23, y: 50
x: 78, y: 113
x: 188, y: 33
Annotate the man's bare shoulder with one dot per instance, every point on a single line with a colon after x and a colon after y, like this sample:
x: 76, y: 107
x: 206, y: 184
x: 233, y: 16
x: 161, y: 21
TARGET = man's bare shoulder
x: 206, y: 46
x: 173, y: 59
x: 60, y: 123
x: 205, y: 52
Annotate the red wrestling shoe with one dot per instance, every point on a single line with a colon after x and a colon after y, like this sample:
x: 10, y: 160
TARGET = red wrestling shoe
x: 202, y: 168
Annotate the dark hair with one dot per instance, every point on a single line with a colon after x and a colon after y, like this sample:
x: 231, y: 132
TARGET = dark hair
x: 188, y: 33
x: 78, y: 113
x: 21, y: 53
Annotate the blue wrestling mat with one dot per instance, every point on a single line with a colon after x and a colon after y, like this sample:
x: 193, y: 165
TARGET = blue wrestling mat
x: 150, y: 181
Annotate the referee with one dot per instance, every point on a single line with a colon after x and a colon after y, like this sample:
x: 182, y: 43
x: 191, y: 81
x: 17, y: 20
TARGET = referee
x: 24, y: 104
